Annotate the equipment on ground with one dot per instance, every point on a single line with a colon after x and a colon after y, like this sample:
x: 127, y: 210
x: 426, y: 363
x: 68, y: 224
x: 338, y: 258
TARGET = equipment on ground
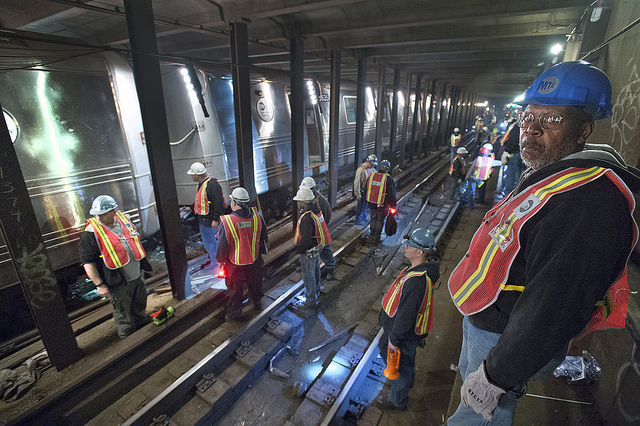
x: 162, y: 314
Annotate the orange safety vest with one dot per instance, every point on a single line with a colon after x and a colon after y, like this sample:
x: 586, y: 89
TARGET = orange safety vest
x: 321, y: 233
x: 482, y: 274
x: 504, y: 138
x: 391, y: 300
x: 483, y: 167
x: 377, y: 188
x: 243, y: 236
x: 455, y: 140
x: 201, y: 204
x: 112, y: 250
x: 464, y: 165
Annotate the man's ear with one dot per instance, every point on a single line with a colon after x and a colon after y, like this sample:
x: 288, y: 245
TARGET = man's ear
x: 585, y: 132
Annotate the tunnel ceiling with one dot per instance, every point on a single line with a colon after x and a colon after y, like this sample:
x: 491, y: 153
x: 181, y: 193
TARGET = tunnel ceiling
x: 494, y: 48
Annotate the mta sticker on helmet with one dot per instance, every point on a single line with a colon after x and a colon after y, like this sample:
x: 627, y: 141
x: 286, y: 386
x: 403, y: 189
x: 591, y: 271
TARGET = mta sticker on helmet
x: 548, y: 85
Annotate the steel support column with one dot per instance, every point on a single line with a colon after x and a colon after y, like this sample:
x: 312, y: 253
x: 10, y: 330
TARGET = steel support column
x: 432, y: 115
x: 334, y: 126
x: 146, y: 70
x: 297, y: 117
x: 394, y: 116
x: 405, y: 121
x: 242, y: 106
x: 416, y: 112
x: 21, y: 233
x: 360, y: 103
x: 380, y: 114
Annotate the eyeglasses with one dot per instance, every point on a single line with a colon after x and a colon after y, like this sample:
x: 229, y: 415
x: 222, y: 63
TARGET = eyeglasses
x: 549, y: 121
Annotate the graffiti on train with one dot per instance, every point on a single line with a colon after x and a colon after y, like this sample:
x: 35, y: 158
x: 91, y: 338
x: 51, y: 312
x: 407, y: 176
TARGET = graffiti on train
x: 37, y: 275
x: 626, y: 110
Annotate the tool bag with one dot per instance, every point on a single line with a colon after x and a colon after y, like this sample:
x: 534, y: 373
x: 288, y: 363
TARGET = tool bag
x: 391, y: 226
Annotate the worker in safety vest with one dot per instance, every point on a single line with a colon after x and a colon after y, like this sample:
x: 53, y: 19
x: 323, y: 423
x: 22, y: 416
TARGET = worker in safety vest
x: 407, y: 312
x: 512, y: 165
x: 209, y: 205
x: 242, y: 242
x: 550, y: 260
x: 360, y: 190
x: 479, y: 173
x: 312, y: 234
x: 381, y: 194
x: 456, y: 138
x: 112, y: 256
x: 458, y: 172
x: 326, y: 254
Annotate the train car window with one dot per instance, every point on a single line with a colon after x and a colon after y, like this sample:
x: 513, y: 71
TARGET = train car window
x: 350, y: 108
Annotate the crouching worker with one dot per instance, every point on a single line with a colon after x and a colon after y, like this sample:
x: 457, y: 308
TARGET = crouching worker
x: 112, y: 256
x: 311, y: 236
x: 241, y: 242
x: 407, y: 312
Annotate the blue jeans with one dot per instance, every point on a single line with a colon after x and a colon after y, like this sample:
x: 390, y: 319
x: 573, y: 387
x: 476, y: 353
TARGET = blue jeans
x: 474, y: 184
x: 511, y: 173
x: 361, y: 212
x: 326, y: 255
x: 210, y: 242
x: 311, y: 275
x: 476, y: 344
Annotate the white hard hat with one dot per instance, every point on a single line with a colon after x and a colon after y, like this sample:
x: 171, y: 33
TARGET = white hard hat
x: 462, y: 150
x: 308, y: 183
x: 197, y: 169
x: 488, y: 146
x: 240, y: 195
x: 103, y: 204
x: 456, y: 130
x: 304, y: 194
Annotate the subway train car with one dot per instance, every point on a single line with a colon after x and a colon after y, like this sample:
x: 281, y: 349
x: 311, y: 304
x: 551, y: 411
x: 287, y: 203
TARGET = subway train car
x: 77, y: 130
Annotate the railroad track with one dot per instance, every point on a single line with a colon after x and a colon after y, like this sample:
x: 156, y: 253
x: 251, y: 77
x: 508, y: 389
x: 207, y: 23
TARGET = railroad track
x: 157, y: 365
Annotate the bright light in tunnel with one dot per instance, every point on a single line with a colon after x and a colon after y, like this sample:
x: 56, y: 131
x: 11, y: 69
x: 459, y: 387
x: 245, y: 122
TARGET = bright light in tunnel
x: 557, y: 48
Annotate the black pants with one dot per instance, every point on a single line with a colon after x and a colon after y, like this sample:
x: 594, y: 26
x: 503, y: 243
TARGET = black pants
x: 129, y: 302
x: 399, y: 394
x: 236, y: 277
x: 378, y: 214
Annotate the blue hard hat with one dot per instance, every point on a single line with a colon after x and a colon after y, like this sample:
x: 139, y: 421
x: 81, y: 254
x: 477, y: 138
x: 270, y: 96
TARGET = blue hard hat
x: 422, y: 239
x: 373, y: 159
x: 385, y: 166
x: 574, y: 83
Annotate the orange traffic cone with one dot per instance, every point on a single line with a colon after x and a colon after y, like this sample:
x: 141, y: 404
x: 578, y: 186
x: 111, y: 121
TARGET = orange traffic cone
x: 393, y: 362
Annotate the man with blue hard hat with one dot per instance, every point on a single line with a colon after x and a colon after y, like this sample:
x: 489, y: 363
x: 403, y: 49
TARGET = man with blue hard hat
x: 407, y: 312
x: 536, y: 274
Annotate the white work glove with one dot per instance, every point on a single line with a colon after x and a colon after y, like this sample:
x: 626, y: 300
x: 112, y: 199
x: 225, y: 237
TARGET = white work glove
x: 481, y: 395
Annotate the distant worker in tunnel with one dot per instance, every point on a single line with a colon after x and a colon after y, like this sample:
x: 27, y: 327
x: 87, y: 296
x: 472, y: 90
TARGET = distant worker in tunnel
x: 112, y: 256
x: 550, y: 260
x: 242, y: 242
x: 311, y: 235
x: 479, y: 173
x: 407, y: 312
x: 209, y: 205
x: 381, y: 195
x: 455, y: 140
x: 458, y: 172
x: 359, y: 188
x: 326, y: 254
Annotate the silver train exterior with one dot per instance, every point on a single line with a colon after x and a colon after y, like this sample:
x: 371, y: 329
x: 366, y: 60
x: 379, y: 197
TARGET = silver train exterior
x: 77, y: 130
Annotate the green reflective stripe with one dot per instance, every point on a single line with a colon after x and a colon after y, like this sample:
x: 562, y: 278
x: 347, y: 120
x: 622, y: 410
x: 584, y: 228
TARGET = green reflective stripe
x: 381, y: 193
x: 236, y: 238
x: 254, y: 242
x: 135, y: 238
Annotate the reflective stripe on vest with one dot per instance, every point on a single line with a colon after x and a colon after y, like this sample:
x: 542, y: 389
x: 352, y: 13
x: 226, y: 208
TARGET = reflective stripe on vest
x: 377, y: 188
x: 321, y: 233
x: 455, y: 140
x: 464, y: 165
x: 243, y: 236
x: 483, y: 168
x: 111, y: 248
x: 201, y: 204
x: 482, y: 274
x: 391, y: 300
